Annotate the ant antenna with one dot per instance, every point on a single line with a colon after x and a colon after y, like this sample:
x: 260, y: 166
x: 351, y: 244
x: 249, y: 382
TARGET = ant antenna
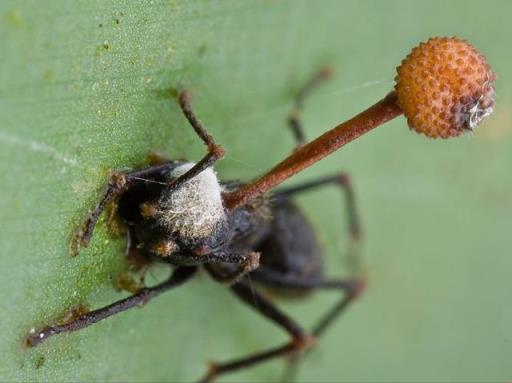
x: 148, y: 180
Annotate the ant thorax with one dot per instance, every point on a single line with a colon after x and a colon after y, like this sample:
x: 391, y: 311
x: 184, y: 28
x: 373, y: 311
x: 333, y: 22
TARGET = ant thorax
x: 195, y: 210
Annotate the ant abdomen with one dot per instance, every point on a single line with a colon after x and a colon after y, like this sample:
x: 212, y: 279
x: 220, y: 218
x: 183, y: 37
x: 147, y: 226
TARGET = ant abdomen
x: 290, y: 249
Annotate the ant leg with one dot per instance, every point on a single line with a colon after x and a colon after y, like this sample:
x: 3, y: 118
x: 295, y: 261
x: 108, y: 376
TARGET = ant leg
x: 352, y: 288
x: 245, y: 263
x: 342, y: 180
x: 294, y: 117
x: 299, y: 338
x: 179, y: 276
x: 215, y: 151
x: 248, y: 263
x: 118, y: 182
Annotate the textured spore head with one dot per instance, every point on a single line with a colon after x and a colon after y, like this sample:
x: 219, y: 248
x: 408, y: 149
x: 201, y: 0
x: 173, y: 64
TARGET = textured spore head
x: 445, y: 87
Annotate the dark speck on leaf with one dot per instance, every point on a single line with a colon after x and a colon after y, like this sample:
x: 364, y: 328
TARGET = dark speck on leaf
x: 39, y: 362
x: 202, y: 49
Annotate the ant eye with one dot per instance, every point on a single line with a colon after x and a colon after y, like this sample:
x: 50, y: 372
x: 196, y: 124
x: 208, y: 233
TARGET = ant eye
x: 445, y: 87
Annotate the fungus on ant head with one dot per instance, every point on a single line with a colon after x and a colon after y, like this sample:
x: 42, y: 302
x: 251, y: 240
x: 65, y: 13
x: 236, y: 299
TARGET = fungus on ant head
x: 178, y: 213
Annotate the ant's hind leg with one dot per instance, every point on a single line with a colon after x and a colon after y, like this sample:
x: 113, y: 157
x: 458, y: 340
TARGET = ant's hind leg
x: 299, y: 338
x: 294, y: 121
x: 343, y: 181
x: 353, y: 287
x: 179, y: 276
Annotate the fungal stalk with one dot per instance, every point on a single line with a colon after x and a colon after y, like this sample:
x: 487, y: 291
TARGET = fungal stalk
x: 444, y: 88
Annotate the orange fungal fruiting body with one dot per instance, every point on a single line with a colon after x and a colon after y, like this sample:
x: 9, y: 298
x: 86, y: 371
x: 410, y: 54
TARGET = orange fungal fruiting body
x: 445, y: 87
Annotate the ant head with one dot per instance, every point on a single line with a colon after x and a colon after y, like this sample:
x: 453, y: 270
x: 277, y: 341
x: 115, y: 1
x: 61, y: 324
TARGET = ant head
x: 194, y: 212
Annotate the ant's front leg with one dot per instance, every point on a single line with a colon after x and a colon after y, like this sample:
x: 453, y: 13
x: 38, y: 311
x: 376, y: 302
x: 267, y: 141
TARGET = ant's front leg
x: 243, y: 264
x: 223, y: 267
x: 215, y: 151
x: 179, y: 276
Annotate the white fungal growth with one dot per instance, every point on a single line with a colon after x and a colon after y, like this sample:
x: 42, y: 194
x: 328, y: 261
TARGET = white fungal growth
x: 477, y: 114
x: 195, y: 209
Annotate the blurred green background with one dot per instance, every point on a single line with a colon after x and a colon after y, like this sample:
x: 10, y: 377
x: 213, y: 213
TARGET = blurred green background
x: 84, y: 89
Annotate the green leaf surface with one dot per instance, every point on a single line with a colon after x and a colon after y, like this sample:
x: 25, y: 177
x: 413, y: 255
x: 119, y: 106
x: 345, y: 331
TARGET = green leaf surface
x: 85, y: 88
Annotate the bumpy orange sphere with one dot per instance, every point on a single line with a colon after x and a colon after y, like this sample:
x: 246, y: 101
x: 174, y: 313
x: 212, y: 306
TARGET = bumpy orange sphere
x: 445, y: 87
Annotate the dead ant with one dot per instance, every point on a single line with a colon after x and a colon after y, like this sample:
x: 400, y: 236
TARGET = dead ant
x: 178, y: 213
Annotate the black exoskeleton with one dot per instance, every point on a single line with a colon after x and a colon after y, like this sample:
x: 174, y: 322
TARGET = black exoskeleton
x: 174, y: 213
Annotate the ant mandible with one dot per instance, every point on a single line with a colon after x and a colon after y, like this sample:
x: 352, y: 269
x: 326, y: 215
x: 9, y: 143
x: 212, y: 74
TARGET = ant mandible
x: 178, y: 213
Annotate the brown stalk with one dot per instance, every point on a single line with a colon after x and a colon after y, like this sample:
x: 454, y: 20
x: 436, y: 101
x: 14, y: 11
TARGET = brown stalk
x: 381, y: 112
